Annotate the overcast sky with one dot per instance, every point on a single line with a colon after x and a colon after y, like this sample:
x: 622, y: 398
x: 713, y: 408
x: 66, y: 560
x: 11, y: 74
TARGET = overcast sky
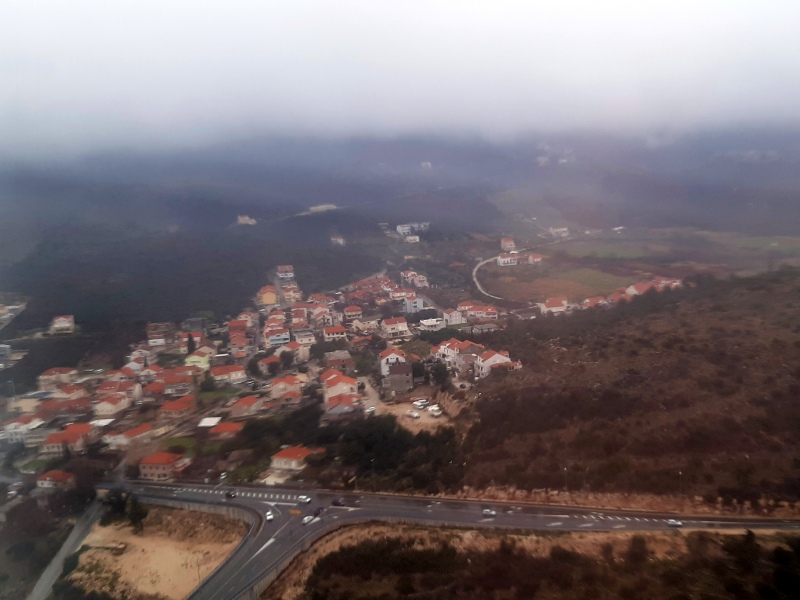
x: 78, y: 75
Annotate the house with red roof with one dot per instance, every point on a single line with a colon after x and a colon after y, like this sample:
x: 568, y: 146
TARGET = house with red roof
x: 554, y: 306
x: 231, y: 374
x: 75, y: 437
x: 264, y: 364
x: 111, y: 405
x: 341, y: 360
x: 457, y: 354
x: 484, y: 362
x: 637, y: 289
x: 278, y: 337
x: 389, y: 357
x: 179, y: 408
x: 289, y: 384
x: 293, y: 458
x: 482, y: 312
x: 62, y: 324
x: 507, y: 244
x: 333, y: 333
x: 352, y: 312
x: 301, y: 353
x: 339, y: 384
x: 52, y: 378
x: 268, y: 295
x: 71, y: 391
x: 285, y: 272
x: 225, y: 430
x: 161, y: 466
x: 56, y: 480
x: 341, y: 405
x: 395, y: 328
x: 149, y: 373
x: 595, y: 302
x: 246, y: 407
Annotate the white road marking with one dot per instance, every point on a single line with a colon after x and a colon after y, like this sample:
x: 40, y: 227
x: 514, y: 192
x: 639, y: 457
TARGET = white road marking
x: 587, y: 525
x: 555, y: 524
x: 618, y: 527
x: 264, y: 547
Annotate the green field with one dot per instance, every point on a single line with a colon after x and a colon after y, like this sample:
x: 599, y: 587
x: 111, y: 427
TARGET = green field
x: 609, y: 249
x: 595, y: 279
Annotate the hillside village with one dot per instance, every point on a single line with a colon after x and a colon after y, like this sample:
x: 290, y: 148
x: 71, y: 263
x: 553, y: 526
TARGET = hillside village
x: 356, y: 353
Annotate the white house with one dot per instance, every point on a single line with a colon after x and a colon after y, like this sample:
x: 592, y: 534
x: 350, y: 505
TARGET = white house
x: 62, y: 324
x: 431, y: 324
x: 278, y: 337
x: 483, y: 364
x: 301, y: 353
x: 305, y: 337
x: 111, y: 405
x: 507, y: 260
x: 404, y: 229
x: 389, y: 357
x: 412, y: 304
x: 453, y: 317
x: 554, y: 306
x: 285, y: 272
x: 292, y: 458
x: 335, y: 332
x: 412, y: 239
x: 395, y: 328
x: 232, y: 374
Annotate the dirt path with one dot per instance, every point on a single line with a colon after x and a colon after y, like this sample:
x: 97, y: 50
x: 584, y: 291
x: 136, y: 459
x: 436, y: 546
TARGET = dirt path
x: 177, y: 550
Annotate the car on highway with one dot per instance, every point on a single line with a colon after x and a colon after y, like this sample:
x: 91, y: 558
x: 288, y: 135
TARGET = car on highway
x: 307, y: 519
x: 269, y: 516
x: 230, y: 494
x: 674, y: 523
x: 337, y: 502
x: 318, y: 511
x: 304, y: 499
x: 488, y: 512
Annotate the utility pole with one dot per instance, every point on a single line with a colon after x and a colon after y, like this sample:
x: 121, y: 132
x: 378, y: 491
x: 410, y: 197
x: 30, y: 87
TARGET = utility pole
x: 680, y: 482
x: 566, y: 486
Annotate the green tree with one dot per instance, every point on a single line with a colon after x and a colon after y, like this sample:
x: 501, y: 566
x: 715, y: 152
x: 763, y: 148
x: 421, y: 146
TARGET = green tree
x: 208, y: 384
x: 136, y: 514
x: 439, y: 373
x: 191, y: 345
x: 273, y: 368
x: 287, y: 358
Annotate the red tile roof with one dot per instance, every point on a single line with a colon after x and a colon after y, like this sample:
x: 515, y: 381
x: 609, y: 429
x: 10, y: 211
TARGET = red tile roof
x: 59, y: 371
x: 557, y: 302
x: 395, y: 321
x: 335, y: 329
x: 180, y: 404
x: 226, y: 370
x: 390, y: 351
x: 161, y: 458
x: 137, y: 431
x: 226, y: 427
x: 56, y: 476
x: 296, y: 452
x: 247, y: 401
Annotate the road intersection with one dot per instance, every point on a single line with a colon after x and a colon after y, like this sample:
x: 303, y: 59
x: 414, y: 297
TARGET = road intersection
x: 270, y: 544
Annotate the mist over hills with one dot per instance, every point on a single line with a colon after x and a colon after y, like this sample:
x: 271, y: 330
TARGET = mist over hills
x: 130, y: 215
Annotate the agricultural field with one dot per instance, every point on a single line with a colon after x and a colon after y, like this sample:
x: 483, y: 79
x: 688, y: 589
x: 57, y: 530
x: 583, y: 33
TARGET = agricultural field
x: 588, y: 265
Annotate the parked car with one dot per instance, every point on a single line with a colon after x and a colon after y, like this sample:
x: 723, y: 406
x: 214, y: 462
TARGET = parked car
x: 488, y: 512
x: 304, y: 499
x: 307, y: 519
x: 412, y: 414
x: 370, y: 410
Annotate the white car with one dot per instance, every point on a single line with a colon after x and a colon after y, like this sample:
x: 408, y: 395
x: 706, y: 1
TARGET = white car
x: 488, y: 512
x: 674, y: 523
x: 370, y: 410
x: 269, y: 515
x: 307, y: 519
x: 304, y: 499
x: 412, y: 414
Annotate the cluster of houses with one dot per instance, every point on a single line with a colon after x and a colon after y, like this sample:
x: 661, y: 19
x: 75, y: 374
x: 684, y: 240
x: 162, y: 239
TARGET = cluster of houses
x: 70, y: 411
x: 561, y: 305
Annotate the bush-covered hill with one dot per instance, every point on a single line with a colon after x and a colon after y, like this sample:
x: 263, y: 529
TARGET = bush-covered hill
x: 694, y: 391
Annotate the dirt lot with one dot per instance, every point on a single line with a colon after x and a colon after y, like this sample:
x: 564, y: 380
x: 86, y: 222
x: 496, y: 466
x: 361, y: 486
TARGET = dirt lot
x: 177, y: 550
x: 290, y: 585
x: 426, y: 422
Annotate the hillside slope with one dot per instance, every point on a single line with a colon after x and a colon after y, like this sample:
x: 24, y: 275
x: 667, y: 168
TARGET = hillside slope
x: 693, y: 391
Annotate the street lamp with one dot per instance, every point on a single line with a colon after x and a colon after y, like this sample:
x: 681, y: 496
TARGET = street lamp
x: 566, y: 487
x: 680, y: 483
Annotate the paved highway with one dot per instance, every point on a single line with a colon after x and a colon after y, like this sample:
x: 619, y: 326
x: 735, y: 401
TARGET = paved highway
x: 270, y: 543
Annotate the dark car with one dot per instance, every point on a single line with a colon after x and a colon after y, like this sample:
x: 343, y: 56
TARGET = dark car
x: 337, y: 502
x: 318, y: 512
x: 230, y: 494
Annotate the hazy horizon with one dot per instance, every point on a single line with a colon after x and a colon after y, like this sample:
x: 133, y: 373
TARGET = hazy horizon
x: 89, y: 75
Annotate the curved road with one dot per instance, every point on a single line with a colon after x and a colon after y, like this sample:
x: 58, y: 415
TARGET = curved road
x: 271, y: 543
